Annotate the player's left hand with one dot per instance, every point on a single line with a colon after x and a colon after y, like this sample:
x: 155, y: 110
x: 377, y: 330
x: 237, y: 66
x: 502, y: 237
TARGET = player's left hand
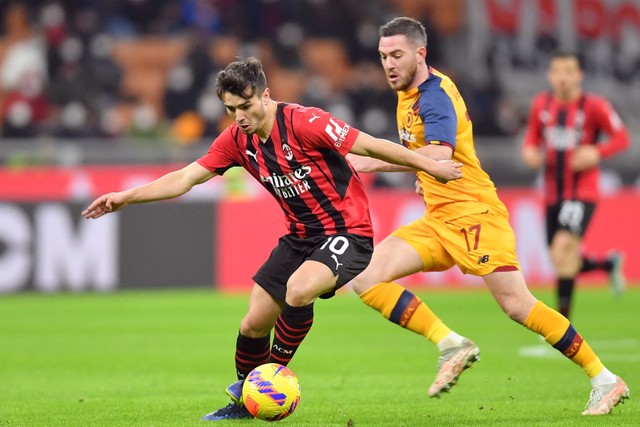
x: 585, y: 157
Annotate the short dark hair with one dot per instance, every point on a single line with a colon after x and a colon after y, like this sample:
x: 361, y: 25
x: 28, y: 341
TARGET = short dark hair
x: 408, y: 27
x: 239, y: 76
x: 565, y: 54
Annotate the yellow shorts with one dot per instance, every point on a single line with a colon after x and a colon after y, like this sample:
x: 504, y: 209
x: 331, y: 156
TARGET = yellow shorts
x: 479, y: 243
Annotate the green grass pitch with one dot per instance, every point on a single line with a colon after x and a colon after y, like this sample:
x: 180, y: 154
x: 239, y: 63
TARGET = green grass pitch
x: 163, y: 358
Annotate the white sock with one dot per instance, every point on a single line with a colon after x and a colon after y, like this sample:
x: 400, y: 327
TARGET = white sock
x: 450, y: 340
x: 604, y: 377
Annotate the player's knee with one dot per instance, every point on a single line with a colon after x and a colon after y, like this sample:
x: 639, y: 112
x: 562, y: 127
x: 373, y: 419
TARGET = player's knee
x: 515, y: 314
x: 300, y: 293
x: 564, y: 249
x: 566, y: 265
x: 362, y: 283
x: 254, y: 327
x: 558, y: 253
x: 370, y: 277
x: 563, y: 259
x: 514, y: 308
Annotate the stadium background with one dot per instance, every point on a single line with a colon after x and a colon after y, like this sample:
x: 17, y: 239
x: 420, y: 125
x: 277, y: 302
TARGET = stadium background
x: 98, y: 96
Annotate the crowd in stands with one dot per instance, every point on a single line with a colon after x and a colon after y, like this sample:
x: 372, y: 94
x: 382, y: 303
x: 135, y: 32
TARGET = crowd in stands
x: 145, y: 69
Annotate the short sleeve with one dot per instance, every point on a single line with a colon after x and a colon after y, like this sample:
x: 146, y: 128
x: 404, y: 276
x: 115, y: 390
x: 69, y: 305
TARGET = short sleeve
x: 319, y: 129
x: 607, y: 118
x: 439, y: 117
x: 222, y: 155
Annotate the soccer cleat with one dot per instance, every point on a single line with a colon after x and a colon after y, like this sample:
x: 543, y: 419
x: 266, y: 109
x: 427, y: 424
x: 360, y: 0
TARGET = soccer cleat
x: 617, y: 280
x: 234, y: 391
x: 604, y: 398
x: 451, y: 364
x: 233, y: 411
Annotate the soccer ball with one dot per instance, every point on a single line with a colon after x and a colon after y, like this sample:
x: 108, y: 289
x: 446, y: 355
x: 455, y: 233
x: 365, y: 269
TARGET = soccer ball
x: 271, y: 392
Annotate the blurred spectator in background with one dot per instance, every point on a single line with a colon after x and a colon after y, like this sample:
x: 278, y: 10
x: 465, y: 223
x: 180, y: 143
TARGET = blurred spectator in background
x: 75, y: 121
x: 104, y: 73
x: 23, y: 75
x: 188, y: 78
x: 145, y: 123
x: 71, y: 80
x: 85, y: 79
x: 118, y: 67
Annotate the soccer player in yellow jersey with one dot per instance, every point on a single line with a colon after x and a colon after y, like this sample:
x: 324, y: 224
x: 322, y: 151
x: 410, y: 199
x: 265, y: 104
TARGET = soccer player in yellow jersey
x: 465, y: 224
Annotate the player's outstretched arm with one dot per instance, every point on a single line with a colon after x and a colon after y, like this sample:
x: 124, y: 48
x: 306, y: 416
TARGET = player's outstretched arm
x: 366, y: 164
x: 171, y: 185
x: 390, y: 153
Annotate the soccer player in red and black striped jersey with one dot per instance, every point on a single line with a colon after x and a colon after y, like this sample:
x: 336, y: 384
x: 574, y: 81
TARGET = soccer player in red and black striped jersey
x: 563, y: 137
x: 298, y: 155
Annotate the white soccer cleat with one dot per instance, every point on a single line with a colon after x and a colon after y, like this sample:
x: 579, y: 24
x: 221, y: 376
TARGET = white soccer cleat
x: 451, y: 364
x: 604, y: 398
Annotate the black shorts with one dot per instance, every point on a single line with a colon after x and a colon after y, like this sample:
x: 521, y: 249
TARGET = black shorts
x: 571, y: 215
x: 347, y: 255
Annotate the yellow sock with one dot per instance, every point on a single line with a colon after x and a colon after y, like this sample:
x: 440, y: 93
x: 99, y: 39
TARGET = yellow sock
x: 558, y: 331
x: 402, y: 307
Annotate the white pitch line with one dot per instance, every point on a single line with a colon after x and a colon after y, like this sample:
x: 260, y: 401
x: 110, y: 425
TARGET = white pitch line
x: 538, y: 351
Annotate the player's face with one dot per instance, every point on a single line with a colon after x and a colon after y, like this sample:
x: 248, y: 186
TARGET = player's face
x: 249, y: 114
x: 565, y: 77
x: 400, y: 59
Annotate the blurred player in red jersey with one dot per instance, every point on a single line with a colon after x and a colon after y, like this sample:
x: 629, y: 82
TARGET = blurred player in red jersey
x: 465, y: 225
x: 298, y: 154
x: 562, y: 137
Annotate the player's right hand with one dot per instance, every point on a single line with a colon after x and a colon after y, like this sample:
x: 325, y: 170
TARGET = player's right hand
x: 110, y: 202
x: 447, y: 170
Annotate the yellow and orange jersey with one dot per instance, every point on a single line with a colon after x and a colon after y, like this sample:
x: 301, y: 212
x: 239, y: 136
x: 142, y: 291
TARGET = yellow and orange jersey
x: 435, y: 113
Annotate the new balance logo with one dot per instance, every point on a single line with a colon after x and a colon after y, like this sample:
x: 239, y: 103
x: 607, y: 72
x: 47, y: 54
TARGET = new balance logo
x: 483, y: 259
x: 335, y: 258
x: 254, y: 155
x: 313, y: 118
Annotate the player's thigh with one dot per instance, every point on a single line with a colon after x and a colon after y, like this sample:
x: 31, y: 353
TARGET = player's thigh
x: 284, y: 260
x: 346, y: 255
x: 481, y: 243
x: 423, y: 235
x: 551, y: 222
x: 409, y: 249
x: 308, y: 282
x: 392, y: 258
x: 565, y: 243
x: 262, y: 313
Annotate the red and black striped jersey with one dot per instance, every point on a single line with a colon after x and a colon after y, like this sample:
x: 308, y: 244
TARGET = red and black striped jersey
x: 302, y: 165
x: 561, y: 127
